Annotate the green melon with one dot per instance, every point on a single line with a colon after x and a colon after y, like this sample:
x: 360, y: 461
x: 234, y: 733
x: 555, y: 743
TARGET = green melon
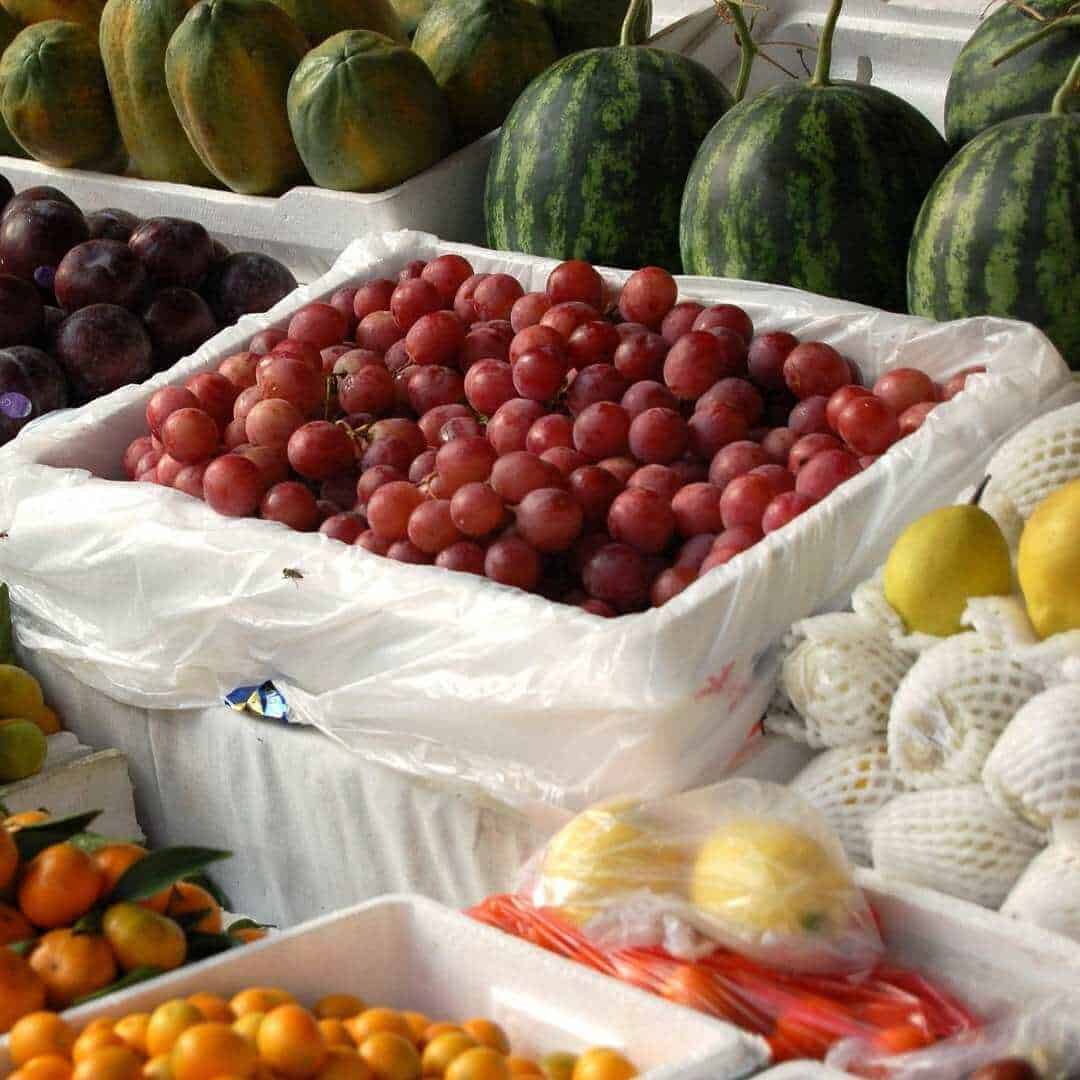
x: 592, y: 159
x: 483, y: 53
x: 410, y: 12
x: 322, y: 19
x: 366, y: 113
x: 999, y: 233
x: 585, y: 24
x: 815, y: 185
x: 981, y: 95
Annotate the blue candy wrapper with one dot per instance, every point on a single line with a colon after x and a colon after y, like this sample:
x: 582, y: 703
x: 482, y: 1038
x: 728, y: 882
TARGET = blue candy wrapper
x: 265, y: 700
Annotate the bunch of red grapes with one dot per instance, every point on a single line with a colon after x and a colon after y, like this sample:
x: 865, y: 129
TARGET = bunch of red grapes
x: 603, y: 451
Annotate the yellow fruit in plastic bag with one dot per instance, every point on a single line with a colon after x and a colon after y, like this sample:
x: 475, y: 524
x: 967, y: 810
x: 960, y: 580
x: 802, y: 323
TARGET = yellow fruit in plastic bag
x: 766, y: 876
x: 20, y: 693
x: 605, y: 851
x: 1048, y: 564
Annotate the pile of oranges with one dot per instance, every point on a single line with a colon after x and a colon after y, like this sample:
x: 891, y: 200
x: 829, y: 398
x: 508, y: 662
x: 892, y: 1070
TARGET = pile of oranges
x: 73, y: 941
x: 264, y: 1034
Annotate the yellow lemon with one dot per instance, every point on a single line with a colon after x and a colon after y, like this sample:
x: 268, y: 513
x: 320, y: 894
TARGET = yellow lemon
x: 1048, y: 564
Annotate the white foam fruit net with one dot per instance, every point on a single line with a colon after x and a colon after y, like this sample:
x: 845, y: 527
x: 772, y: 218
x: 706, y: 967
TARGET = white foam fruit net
x: 955, y: 840
x: 950, y: 709
x: 837, y: 678
x: 1036, y: 461
x: 1048, y: 892
x: 1034, y: 770
x: 847, y: 785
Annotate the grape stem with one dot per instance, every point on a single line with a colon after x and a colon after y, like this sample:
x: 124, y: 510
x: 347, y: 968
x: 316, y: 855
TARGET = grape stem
x: 638, y: 22
x: 746, y: 44
x: 1036, y: 36
x: 824, y: 56
x: 1070, y: 87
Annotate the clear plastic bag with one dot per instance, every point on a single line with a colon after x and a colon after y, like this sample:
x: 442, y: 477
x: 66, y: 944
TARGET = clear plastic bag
x: 744, y: 864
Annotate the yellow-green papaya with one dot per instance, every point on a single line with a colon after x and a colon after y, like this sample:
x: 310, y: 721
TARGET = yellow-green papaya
x: 227, y: 68
x: 410, y: 12
x: 87, y: 12
x: 55, y: 98
x: 133, y: 36
x: 366, y: 113
x: 321, y: 19
x: 483, y: 53
x: 9, y: 30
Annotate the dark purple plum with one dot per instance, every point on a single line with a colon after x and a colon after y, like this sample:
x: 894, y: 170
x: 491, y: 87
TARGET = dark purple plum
x: 178, y: 321
x: 100, y: 272
x: 53, y: 318
x: 37, y: 194
x: 35, y: 376
x: 112, y: 224
x: 246, y: 282
x: 22, y: 314
x: 7, y: 192
x: 36, y: 237
x: 174, y: 251
x: 101, y: 348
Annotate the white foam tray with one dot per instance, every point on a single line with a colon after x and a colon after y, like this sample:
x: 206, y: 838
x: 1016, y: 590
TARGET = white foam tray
x: 411, y: 953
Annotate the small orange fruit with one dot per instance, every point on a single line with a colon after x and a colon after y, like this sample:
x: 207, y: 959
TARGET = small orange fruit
x: 520, y: 1066
x: 47, y: 720
x: 104, y: 1023
x: 72, y: 965
x: 132, y: 1029
x: 24, y: 819
x: 212, y: 1006
x: 344, y: 1063
x: 158, y: 1068
x: 259, y: 999
x: 487, y: 1033
x: 143, y: 938
x: 109, y: 1063
x: 435, y: 1030
x: 334, y: 1033
x: 186, y: 899
x: 44, y: 1067
x: 602, y: 1063
x: 21, y: 990
x: 418, y: 1024
x: 209, y: 1050
x: 114, y: 860
x: 338, y: 1007
x: 375, y: 1021
x: 482, y: 1063
x: 93, y: 1039
x: 248, y: 934
x: 59, y: 886
x: 40, y: 1033
x: 14, y: 926
x: 440, y: 1052
x: 391, y: 1057
x: 248, y: 1026
x: 168, y: 1022
x: 9, y: 858
x: 290, y: 1041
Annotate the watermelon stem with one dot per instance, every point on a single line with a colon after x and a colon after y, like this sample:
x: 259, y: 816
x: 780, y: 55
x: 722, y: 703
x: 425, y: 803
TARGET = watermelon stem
x: 746, y: 44
x: 1036, y: 36
x: 638, y: 22
x: 1069, y: 87
x: 824, y: 57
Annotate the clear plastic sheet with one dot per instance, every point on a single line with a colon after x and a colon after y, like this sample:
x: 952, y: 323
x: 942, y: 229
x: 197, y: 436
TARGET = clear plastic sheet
x: 154, y: 599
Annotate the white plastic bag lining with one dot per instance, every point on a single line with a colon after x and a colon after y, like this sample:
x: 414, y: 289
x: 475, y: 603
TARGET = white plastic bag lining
x: 153, y: 598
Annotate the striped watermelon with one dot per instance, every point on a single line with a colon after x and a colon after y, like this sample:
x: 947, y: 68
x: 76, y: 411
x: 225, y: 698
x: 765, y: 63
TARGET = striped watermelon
x: 981, y: 95
x: 999, y: 233
x: 591, y: 162
x: 815, y: 185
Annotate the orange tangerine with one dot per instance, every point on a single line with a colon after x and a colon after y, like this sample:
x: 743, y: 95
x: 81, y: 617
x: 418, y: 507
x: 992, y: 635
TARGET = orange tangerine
x: 435, y: 1030
x: 520, y: 1066
x: 109, y: 1063
x: 376, y: 1021
x: 248, y: 1026
x: 114, y: 860
x: 339, y: 1007
x: 186, y: 898
x: 102, y: 1023
x: 143, y: 938
x: 157, y: 1068
x: 205, y: 1051
x: 334, y: 1033
x: 487, y: 1033
x: 21, y: 991
x: 47, y: 720
x: 259, y: 999
x: 418, y: 1024
x: 44, y: 1067
x: 132, y: 1029
x: 72, y: 965
x: 40, y: 1033
x: 391, y: 1057
x: 441, y: 1051
x: 9, y: 858
x: 168, y: 1022
x: 482, y: 1063
x: 344, y: 1063
x: 24, y: 819
x: 602, y: 1063
x: 90, y: 1040
x: 212, y: 1006
x: 58, y: 886
x: 290, y: 1041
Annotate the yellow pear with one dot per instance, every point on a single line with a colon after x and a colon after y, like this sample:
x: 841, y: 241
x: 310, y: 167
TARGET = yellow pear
x: 1048, y: 564
x: 940, y: 562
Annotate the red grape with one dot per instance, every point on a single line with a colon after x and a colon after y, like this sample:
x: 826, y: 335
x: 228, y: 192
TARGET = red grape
x: 239, y: 369
x: 372, y: 479
x: 431, y: 528
x: 534, y: 338
x: 422, y: 467
x: 512, y: 561
x: 508, y: 428
x: 390, y: 506
x: 168, y: 469
x: 670, y: 583
x: 292, y: 504
x: 166, y: 401
x: 726, y: 317
x: 134, y: 453
x: 406, y: 551
x: 482, y: 343
x: 713, y: 427
x: 697, y: 509
x: 865, y: 461
x: 659, y: 479
x: 432, y: 385
x: 515, y: 474
x: 387, y: 450
x: 411, y: 301
x: 434, y: 420
x: 265, y: 340
x: 778, y: 443
x: 911, y: 419
x: 602, y: 430
x: 529, y: 309
x: 408, y: 430
x: 447, y: 273
x: 146, y: 470
x: 593, y: 343
x: 464, y: 308
x: 344, y: 300
x: 737, y: 394
x: 435, y: 338
x: 216, y: 395
x: 369, y: 389
x: 319, y: 325
x: 460, y: 427
x: 958, y: 381
x: 340, y: 490
x: 373, y: 296
x: 320, y: 449
x: 291, y: 379
x: 824, y: 472
x: 778, y: 477
x: 597, y: 382
x: 641, y: 519
x: 332, y: 355
x: 680, y: 320
x: 810, y: 416
x: 550, y: 519
x: 412, y: 270
x: 189, y: 435
x: 735, y: 459
x: 647, y: 395
x: 808, y: 446
x: 548, y: 431
x: 565, y: 318
x: 272, y: 421
x: 618, y: 575
x: 464, y: 461
x: 839, y: 400
x: 657, y: 436
x: 307, y: 354
x: 476, y: 509
x: 272, y: 463
x: 495, y: 296
x: 868, y: 425
x: 787, y: 506
x: 727, y: 545
x: 464, y: 556
x: 232, y: 485
x: 576, y: 280
x: 595, y: 489
x: 648, y: 295
x: 744, y: 500
x: 621, y: 467
x: 539, y: 375
x: 640, y: 356
x: 693, y: 364
x: 692, y: 554
x: 488, y: 385
x: 345, y: 527
x: 190, y: 480
x: 371, y: 541
x: 565, y: 459
x: 903, y: 387
x: 765, y: 360
x: 814, y: 368
x: 378, y: 331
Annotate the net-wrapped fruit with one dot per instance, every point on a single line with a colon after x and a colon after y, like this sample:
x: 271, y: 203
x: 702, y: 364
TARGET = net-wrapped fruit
x: 55, y: 98
x: 483, y: 53
x: 322, y: 19
x: 227, y: 68
x: 133, y: 36
x: 366, y: 113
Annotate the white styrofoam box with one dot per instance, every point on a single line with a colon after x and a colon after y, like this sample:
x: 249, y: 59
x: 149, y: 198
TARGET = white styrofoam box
x: 907, y: 47
x: 407, y: 952
x: 76, y: 779
x: 452, y: 677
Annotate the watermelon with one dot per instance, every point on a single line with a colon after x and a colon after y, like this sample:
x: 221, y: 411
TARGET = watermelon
x: 999, y: 233
x: 591, y: 162
x: 981, y: 95
x: 815, y: 185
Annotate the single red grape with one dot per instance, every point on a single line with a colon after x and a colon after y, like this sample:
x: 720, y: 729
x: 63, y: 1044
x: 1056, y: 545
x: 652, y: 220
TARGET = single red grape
x: 744, y: 500
x: 190, y: 480
x: 508, y: 428
x: 265, y: 340
x: 460, y: 427
x: 513, y: 561
x: 529, y: 309
x: 554, y: 429
x: 464, y: 461
x: 412, y: 300
x: 726, y: 317
x: 216, y: 395
x: 239, y: 369
x: 903, y: 387
x: 431, y: 528
x: 189, y: 435
x: 320, y: 449
x: 435, y: 338
x: 345, y: 527
x: 515, y: 474
x: 168, y: 469
x: 272, y: 421
x: 680, y: 320
x: 134, y: 453
x: 824, y: 472
x: 640, y: 356
x: 657, y: 436
x: 373, y: 296
x: 576, y: 280
x: 659, y: 479
x: 465, y: 557
x: 550, y: 519
x: 476, y: 509
x: 595, y: 489
x: 697, y: 509
x: 839, y: 400
x: 693, y: 364
x: 810, y: 416
x: 405, y: 551
x: 787, y: 506
x: 495, y: 296
x: 319, y: 325
x: 618, y: 575
x: 565, y: 459
x: 735, y: 459
x: 738, y: 394
x: 648, y: 295
x: 292, y: 380
x: 390, y: 506
x: 912, y: 418
x: 378, y: 331
x: 809, y: 446
x: 565, y: 318
x: 464, y: 308
x: 166, y: 401
x: 868, y: 425
x: 447, y: 273
x: 431, y: 385
x: 372, y: 479
x: 371, y: 541
x: 713, y: 428
x: 370, y: 389
x: 765, y: 360
x: 593, y: 342
x: 641, y: 519
x: 602, y: 430
x: 670, y: 583
x: 291, y: 504
x: 778, y: 443
x: 232, y: 485
x: 814, y: 369
x: 539, y: 375
x: 596, y: 383
x: 408, y: 430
